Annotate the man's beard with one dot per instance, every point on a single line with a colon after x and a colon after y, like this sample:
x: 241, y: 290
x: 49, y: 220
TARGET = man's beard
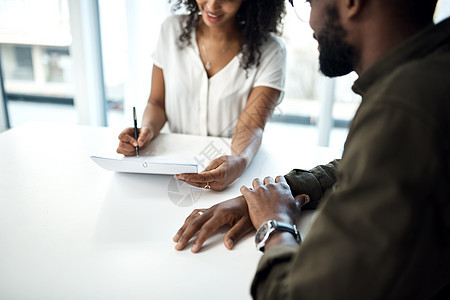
x: 337, y: 57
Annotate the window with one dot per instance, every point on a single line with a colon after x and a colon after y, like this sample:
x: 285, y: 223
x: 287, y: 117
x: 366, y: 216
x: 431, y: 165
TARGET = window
x: 34, y: 50
x: 35, y: 39
x: 113, y: 30
x: 309, y: 94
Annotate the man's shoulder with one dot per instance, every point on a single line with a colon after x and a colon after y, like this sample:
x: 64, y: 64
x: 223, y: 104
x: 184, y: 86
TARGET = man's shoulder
x: 428, y: 73
x: 420, y: 88
x: 423, y: 80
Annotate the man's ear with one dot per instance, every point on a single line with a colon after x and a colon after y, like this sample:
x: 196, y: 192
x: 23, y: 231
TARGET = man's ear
x: 352, y: 8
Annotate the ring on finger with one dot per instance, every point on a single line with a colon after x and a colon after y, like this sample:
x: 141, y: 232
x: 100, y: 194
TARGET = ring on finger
x: 207, y: 186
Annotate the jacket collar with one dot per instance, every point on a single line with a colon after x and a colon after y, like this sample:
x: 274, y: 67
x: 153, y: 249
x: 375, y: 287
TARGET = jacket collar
x: 418, y: 46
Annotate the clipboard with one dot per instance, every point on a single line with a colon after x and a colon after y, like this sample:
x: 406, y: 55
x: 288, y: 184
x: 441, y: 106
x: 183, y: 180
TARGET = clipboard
x: 168, y: 154
x: 148, y: 165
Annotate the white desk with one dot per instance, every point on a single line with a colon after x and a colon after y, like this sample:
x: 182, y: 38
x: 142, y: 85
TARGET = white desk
x: 71, y: 230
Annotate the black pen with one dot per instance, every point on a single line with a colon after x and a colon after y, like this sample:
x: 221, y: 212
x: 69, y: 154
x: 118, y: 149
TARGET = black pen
x: 135, y: 131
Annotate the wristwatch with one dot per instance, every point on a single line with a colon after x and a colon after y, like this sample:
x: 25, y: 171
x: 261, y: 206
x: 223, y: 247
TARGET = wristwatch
x: 267, y: 228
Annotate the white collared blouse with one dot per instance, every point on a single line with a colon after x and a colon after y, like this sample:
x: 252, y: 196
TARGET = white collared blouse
x: 196, y: 104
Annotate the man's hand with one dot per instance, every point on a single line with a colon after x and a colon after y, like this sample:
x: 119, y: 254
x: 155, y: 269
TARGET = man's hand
x: 206, y: 222
x: 272, y: 200
x: 221, y: 172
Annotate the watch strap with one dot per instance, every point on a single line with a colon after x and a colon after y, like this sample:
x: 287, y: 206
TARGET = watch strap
x: 280, y: 226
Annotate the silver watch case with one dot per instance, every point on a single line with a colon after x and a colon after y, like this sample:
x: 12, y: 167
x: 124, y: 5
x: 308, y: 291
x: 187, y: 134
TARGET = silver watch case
x: 267, y: 228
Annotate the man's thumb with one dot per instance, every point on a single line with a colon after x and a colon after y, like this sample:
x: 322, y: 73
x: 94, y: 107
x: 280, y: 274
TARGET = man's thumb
x: 303, y: 199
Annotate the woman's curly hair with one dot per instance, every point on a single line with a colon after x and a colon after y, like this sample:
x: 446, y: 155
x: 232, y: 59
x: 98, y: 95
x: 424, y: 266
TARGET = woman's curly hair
x: 256, y: 19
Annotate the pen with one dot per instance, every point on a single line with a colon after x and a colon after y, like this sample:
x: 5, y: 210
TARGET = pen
x: 135, y: 131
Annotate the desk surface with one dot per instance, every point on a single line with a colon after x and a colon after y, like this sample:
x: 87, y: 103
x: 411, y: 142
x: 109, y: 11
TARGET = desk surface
x: 71, y: 230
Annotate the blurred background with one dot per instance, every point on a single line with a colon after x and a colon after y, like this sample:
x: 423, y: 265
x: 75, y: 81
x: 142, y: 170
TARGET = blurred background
x: 88, y: 62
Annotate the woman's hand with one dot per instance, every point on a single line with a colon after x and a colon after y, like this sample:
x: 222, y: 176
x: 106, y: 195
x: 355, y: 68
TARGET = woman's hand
x: 127, y: 144
x: 218, y: 175
x: 206, y: 222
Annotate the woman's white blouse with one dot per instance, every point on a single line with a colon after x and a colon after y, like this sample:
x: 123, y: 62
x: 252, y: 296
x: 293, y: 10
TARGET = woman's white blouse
x: 196, y: 104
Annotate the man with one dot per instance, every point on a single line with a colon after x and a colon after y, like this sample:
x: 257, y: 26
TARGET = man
x: 383, y: 228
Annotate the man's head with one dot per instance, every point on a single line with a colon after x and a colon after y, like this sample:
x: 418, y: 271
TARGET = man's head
x: 353, y: 34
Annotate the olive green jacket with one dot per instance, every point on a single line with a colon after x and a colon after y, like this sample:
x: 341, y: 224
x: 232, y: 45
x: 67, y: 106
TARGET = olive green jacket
x: 383, y: 226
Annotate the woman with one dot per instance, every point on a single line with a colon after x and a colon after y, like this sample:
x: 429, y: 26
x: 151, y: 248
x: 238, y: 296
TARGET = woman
x: 217, y: 71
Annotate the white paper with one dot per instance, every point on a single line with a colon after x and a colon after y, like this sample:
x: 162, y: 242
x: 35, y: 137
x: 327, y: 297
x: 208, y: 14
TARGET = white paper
x: 148, y: 164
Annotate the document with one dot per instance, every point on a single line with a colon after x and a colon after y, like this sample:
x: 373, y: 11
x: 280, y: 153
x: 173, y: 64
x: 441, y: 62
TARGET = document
x: 168, y: 154
x: 148, y: 165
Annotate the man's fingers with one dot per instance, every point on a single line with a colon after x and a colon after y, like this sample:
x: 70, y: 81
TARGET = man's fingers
x: 244, y: 191
x: 242, y: 227
x: 303, y: 199
x: 280, y: 179
x: 207, y: 229
x: 256, y: 183
x: 268, y: 179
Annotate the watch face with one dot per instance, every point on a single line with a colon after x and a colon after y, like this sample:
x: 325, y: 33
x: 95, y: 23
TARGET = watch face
x: 261, y: 233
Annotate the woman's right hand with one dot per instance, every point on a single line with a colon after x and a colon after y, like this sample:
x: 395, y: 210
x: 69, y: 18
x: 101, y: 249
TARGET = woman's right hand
x: 127, y: 144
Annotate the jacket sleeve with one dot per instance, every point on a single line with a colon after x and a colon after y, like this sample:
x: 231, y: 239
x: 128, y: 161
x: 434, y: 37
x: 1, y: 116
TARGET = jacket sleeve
x: 314, y: 182
x: 273, y: 268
